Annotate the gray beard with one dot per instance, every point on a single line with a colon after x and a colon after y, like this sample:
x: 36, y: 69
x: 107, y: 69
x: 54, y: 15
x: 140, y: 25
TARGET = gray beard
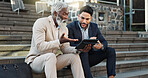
x: 60, y: 22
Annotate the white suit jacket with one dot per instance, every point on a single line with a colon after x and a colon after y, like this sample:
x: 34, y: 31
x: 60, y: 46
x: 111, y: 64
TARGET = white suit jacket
x: 44, y: 39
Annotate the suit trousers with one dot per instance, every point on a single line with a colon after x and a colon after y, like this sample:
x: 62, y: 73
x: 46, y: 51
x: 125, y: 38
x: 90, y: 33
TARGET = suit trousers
x: 49, y: 63
x: 92, y: 58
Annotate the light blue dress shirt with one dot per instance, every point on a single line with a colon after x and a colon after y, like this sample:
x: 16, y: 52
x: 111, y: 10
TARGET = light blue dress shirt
x: 84, y: 32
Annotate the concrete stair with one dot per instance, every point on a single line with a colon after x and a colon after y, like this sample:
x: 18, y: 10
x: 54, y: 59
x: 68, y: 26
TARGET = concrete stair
x: 17, y: 19
x: 25, y: 47
x: 7, y: 9
x: 142, y: 73
x: 18, y: 31
x: 14, y: 50
x: 121, y: 66
x: 131, y: 55
x: 13, y: 24
x: 119, y: 34
x: 129, y: 46
x: 126, y: 40
x: 15, y: 39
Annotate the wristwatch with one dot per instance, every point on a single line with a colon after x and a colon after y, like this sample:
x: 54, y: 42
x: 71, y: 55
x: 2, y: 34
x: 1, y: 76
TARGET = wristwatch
x: 102, y: 48
x: 78, y: 52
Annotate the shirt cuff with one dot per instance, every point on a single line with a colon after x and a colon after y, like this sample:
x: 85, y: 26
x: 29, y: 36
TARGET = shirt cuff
x: 102, y: 48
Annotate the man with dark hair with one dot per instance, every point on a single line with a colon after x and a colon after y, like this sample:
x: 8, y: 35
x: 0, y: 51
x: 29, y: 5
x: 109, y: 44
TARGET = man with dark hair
x: 90, y: 56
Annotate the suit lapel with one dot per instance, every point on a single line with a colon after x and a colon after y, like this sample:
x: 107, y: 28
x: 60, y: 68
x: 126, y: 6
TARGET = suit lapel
x: 90, y: 31
x: 78, y: 31
x: 61, y: 31
x: 52, y: 27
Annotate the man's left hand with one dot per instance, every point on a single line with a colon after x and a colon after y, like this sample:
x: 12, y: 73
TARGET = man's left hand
x: 98, y: 45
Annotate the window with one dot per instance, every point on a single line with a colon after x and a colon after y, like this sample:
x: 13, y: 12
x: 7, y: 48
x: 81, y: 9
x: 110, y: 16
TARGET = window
x: 101, y: 16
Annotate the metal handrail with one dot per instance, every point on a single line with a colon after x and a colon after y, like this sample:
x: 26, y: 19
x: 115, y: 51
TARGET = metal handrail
x: 107, y: 2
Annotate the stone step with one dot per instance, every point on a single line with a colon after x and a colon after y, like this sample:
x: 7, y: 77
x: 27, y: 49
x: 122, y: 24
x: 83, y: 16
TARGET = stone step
x: 126, y: 40
x: 5, y: 4
x: 13, y: 21
x: 22, y: 50
x: 121, y: 66
x: 15, y: 28
x: 8, y: 5
x: 16, y: 23
x: 97, y: 71
x: 14, y: 33
x: 14, y: 50
x: 140, y: 76
x: 27, y: 30
x: 17, y: 19
x: 15, y: 39
x: 129, y: 46
x: 28, y: 12
x: 5, y: 8
x: 15, y: 42
x: 134, y: 74
x: 31, y: 9
x: 120, y: 33
x: 13, y: 53
x: 20, y: 16
x: 131, y: 55
x: 121, y: 55
x: 19, y: 47
x: 131, y: 74
x: 118, y: 47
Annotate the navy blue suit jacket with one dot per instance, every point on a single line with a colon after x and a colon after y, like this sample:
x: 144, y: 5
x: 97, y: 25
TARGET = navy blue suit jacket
x: 93, y: 31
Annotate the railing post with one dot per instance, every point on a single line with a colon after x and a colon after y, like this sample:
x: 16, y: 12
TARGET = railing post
x: 124, y: 16
x: 146, y: 15
x: 131, y: 14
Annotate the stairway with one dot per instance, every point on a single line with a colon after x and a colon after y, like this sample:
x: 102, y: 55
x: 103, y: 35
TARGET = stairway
x: 15, y: 38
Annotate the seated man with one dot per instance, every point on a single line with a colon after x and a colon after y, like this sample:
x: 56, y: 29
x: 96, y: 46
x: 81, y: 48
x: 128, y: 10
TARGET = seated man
x: 50, y: 35
x: 84, y: 29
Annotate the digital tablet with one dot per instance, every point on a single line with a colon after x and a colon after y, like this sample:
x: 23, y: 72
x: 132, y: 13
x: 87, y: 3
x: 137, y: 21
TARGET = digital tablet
x: 85, y: 42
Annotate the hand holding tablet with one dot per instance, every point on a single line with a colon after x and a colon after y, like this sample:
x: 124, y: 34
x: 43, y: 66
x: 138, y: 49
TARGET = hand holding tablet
x: 85, y: 42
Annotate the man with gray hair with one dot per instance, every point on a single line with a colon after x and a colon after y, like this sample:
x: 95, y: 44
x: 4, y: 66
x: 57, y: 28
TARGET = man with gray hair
x: 50, y: 50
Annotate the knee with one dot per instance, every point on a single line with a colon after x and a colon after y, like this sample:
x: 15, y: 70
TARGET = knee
x: 51, y: 57
x: 111, y: 51
x: 74, y: 57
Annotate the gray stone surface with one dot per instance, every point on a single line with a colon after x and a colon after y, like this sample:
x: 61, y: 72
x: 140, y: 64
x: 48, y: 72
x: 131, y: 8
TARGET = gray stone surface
x: 111, y: 15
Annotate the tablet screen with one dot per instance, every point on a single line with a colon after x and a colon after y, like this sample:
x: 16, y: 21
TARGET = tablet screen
x: 85, y: 42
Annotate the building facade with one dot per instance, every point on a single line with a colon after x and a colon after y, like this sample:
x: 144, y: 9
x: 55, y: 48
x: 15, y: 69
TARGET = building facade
x: 108, y: 17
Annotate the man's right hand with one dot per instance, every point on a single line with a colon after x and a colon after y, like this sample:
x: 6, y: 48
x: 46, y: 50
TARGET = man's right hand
x: 86, y: 48
x: 65, y: 39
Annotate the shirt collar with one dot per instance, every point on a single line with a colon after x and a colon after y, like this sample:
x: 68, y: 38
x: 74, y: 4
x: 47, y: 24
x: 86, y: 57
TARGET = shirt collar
x: 51, y: 19
x: 58, y: 27
x: 81, y: 27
